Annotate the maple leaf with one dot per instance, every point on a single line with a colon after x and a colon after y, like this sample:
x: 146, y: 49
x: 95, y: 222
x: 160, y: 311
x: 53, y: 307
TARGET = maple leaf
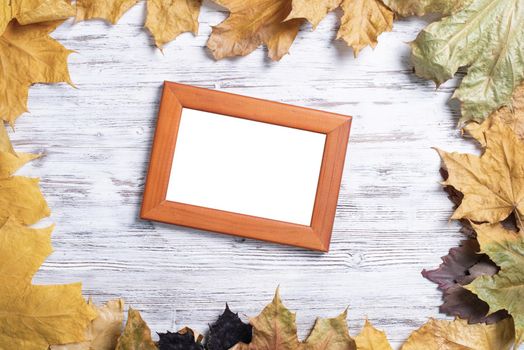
x: 104, y: 330
x: 32, y: 317
x: 458, y: 335
x: 371, y: 338
x: 274, y: 328
x: 33, y: 11
x: 28, y: 55
x: 11, y: 161
x: 109, y: 10
x: 227, y: 331
x: 458, y: 268
x: 20, y: 197
x: 486, y: 36
x: 166, y: 19
x: 330, y: 334
x: 422, y: 7
x: 512, y: 116
x: 137, y: 335
x: 504, y: 290
x: 252, y: 23
x: 361, y: 24
x: 184, y: 339
x: 492, y: 184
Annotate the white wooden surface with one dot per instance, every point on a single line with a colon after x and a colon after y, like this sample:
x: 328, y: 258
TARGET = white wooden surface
x: 392, y: 217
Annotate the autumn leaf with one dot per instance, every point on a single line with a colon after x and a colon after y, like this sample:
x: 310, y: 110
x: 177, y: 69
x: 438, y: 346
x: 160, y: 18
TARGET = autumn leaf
x: 20, y: 197
x: 363, y: 20
x: 459, y: 335
x: 371, y: 338
x: 167, y: 19
x: 274, y: 328
x: 33, y: 11
x: 109, y: 10
x: 184, y: 339
x: 505, y: 290
x: 251, y: 24
x: 11, y: 161
x: 28, y: 55
x: 34, y: 316
x: 484, y: 36
x: 137, y: 335
x: 492, y: 184
x: 461, y: 266
x: 330, y: 334
x: 227, y: 331
x: 422, y: 7
x: 512, y: 116
x: 104, y: 330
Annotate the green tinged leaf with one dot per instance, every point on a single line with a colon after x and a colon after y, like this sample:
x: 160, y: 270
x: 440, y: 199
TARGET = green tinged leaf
x: 330, y: 334
x: 422, y: 7
x: 505, y: 290
x: 487, y: 36
x: 137, y: 335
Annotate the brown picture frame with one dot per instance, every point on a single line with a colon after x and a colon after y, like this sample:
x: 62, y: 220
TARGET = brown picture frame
x: 336, y: 127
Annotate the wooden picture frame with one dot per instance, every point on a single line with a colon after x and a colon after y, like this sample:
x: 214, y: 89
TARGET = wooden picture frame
x: 336, y: 127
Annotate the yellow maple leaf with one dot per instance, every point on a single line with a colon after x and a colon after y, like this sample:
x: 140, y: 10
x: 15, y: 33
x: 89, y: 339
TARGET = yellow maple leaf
x: 21, y: 198
x: 104, y: 330
x: 137, y: 335
x: 492, y: 184
x: 33, y: 11
x: 512, y: 116
x: 166, y: 19
x: 28, y: 55
x: 361, y: 24
x: 251, y: 24
x: 371, y: 338
x: 11, y: 161
x: 109, y: 10
x: 459, y: 335
x: 32, y: 317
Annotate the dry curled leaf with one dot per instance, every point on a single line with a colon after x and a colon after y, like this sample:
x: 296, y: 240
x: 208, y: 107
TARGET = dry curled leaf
x: 32, y: 317
x: 504, y: 290
x: 28, y: 55
x: 104, y: 330
x: 461, y: 266
x: 11, y: 161
x: 486, y: 36
x: 20, y: 197
x: 361, y: 24
x: 492, y: 184
x: 251, y: 24
x: 512, y: 116
x: 33, y: 11
x: 137, y: 335
x: 459, y: 335
x: 371, y: 338
x: 422, y: 7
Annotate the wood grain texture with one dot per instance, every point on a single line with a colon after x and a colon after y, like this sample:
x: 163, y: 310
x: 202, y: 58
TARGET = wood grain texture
x: 392, y: 216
